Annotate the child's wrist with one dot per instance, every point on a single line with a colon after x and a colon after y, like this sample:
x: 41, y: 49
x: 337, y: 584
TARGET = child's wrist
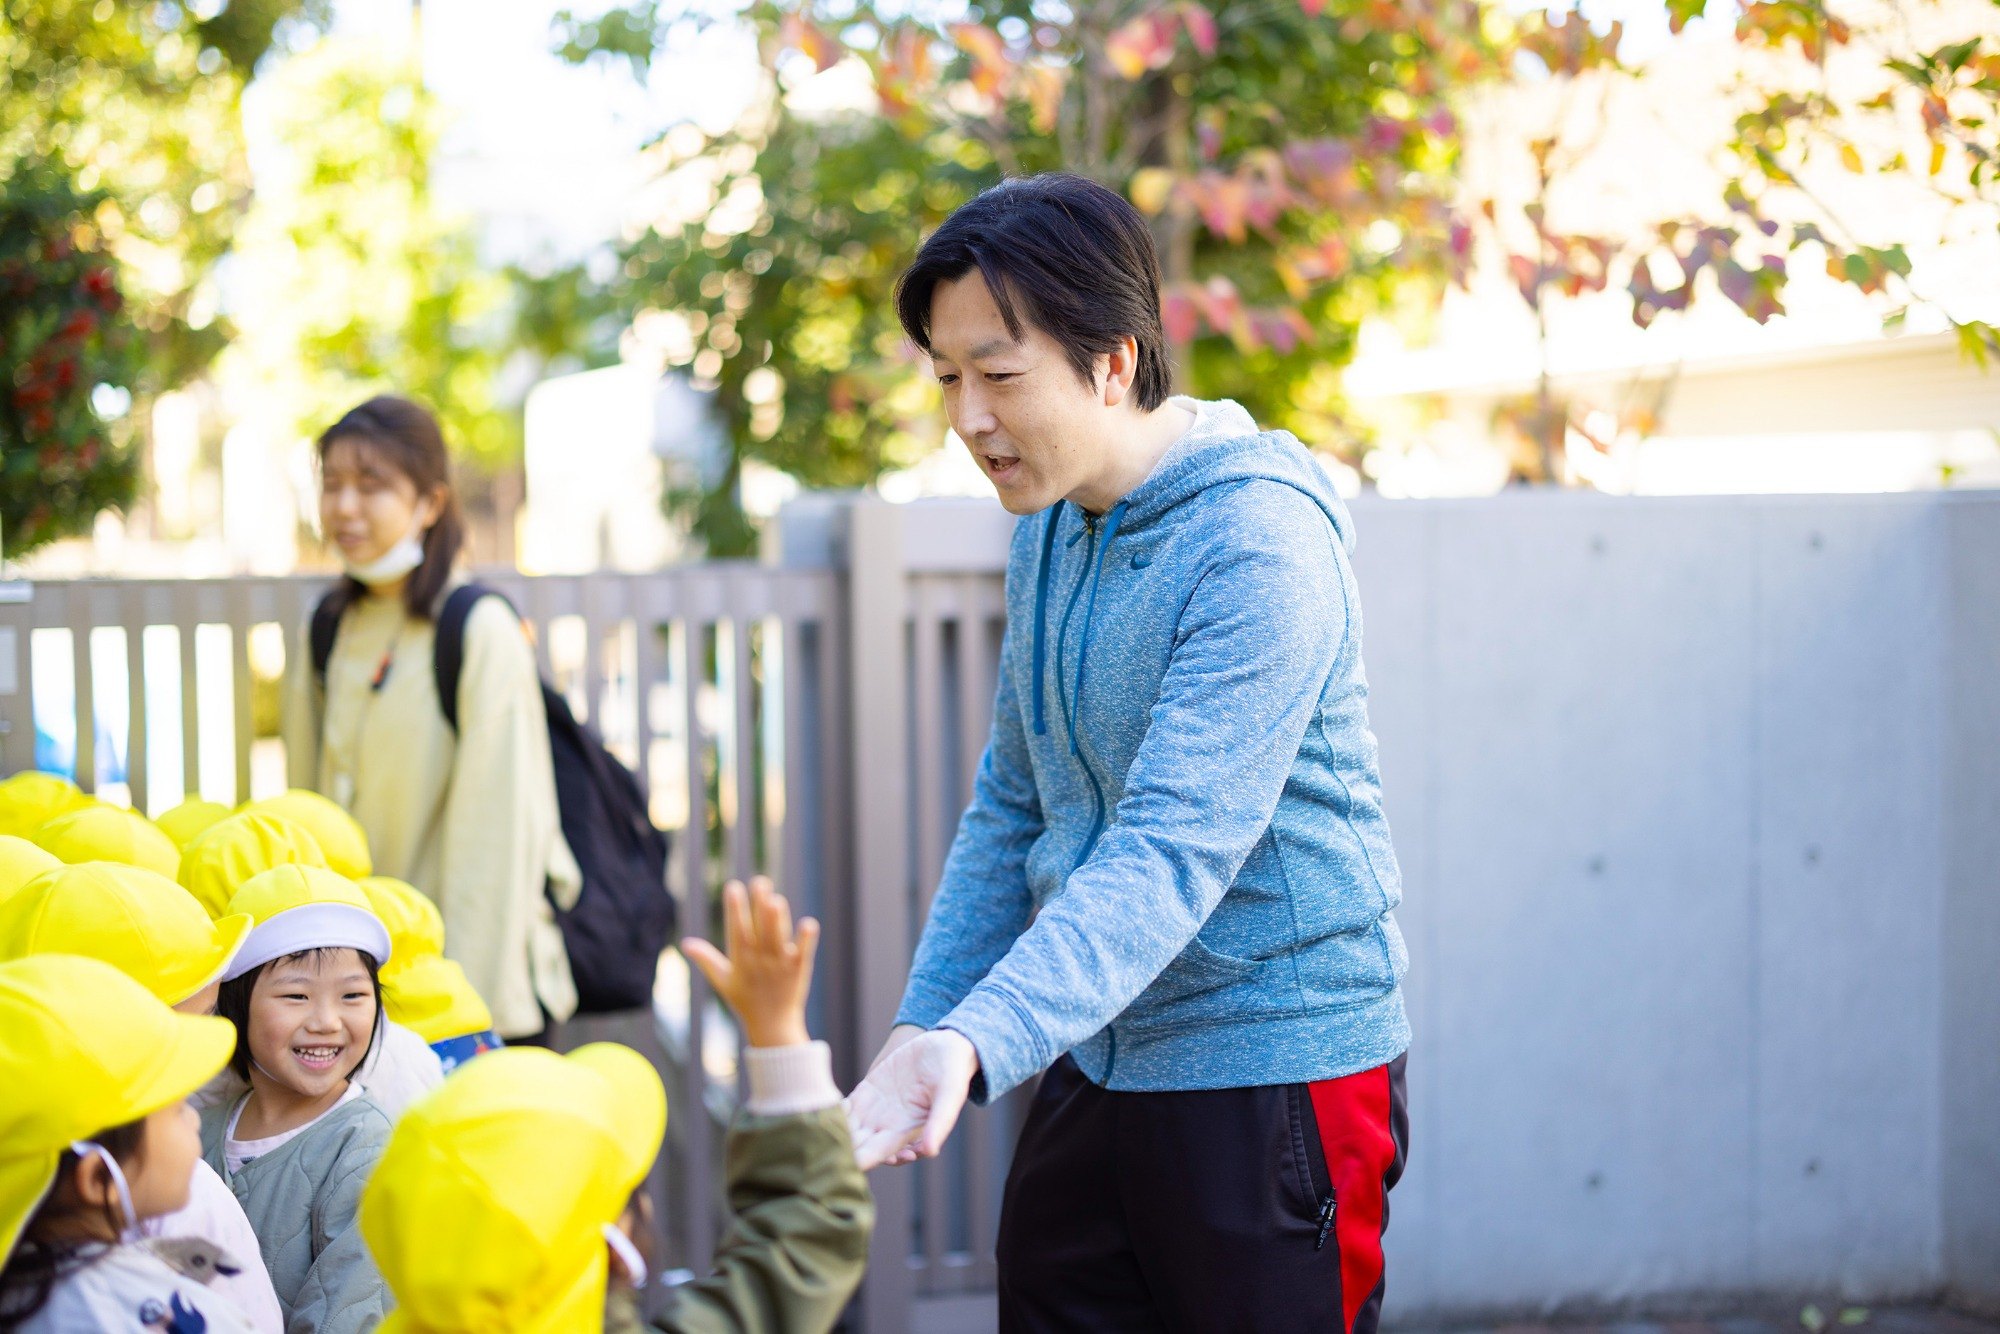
x: 786, y: 1031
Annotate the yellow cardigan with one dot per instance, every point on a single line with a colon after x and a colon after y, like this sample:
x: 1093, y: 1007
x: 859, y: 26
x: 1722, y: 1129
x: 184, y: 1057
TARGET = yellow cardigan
x: 469, y: 817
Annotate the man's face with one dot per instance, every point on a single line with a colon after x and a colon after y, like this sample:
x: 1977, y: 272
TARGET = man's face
x: 1032, y: 425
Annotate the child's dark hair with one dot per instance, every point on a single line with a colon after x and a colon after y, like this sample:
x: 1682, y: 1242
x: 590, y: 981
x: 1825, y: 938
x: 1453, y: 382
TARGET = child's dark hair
x: 37, y: 1265
x: 232, y: 1002
x: 407, y: 437
x: 1062, y: 253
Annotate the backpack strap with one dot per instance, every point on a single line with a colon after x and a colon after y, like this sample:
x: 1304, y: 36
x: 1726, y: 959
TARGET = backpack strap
x: 448, y: 654
x: 321, y: 632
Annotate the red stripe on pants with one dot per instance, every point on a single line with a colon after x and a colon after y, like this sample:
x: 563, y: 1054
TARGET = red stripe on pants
x: 1354, y: 1134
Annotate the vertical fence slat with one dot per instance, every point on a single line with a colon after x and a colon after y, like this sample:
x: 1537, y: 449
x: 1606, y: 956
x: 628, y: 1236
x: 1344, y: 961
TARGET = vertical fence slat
x: 697, y: 1186
x: 132, y: 607
x: 878, y: 598
x: 186, y: 619
x: 926, y: 803
x: 742, y: 751
x: 17, y: 699
x: 86, y: 700
x: 977, y: 677
x: 239, y: 681
x: 648, y: 628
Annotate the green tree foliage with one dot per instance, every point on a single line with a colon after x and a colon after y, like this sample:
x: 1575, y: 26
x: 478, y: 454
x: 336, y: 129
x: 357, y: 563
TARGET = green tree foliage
x: 62, y: 339
x: 351, y: 279
x: 121, y: 147
x: 1295, y: 157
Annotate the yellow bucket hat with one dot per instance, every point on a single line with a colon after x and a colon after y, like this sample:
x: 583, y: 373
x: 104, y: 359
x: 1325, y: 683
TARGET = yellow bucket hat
x: 142, y: 924
x: 20, y: 862
x: 488, y: 1208
x: 31, y: 799
x: 103, y: 833
x: 415, y: 925
x: 232, y: 850
x: 188, y: 819
x: 340, y: 838
x: 299, y: 908
x: 87, y: 1049
x: 431, y: 996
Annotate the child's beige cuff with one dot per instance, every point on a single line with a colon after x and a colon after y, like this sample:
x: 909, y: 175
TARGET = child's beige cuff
x: 785, y: 1081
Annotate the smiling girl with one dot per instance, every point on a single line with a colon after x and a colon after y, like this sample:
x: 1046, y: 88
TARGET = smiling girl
x: 297, y: 1148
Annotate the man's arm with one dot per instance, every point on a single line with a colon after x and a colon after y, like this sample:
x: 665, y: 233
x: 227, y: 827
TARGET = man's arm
x: 982, y: 901
x: 1258, y: 637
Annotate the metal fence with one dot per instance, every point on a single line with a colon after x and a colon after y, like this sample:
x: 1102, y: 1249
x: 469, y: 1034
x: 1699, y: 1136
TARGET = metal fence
x: 732, y: 687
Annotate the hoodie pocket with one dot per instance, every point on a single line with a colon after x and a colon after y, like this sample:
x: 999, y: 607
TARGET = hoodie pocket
x: 1191, y: 987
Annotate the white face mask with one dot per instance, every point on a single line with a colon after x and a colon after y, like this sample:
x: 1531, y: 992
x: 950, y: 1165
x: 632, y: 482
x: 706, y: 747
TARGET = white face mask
x: 394, y: 563
x: 628, y: 1255
x: 129, y: 1216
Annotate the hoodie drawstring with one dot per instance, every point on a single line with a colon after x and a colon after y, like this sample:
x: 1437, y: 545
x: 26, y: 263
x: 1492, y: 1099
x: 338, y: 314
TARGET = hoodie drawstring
x: 1042, y: 610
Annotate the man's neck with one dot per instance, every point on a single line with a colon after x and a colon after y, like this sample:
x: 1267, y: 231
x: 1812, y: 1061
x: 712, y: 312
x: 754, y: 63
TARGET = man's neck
x: 1133, y: 454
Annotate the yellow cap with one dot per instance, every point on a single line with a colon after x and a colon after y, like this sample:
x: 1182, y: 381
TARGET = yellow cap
x: 230, y: 851
x: 488, y: 1207
x: 20, y: 862
x: 142, y: 924
x: 414, y: 923
x: 103, y: 833
x: 299, y: 908
x: 339, y: 837
x: 31, y: 799
x: 87, y: 1049
x: 431, y: 996
x: 188, y: 819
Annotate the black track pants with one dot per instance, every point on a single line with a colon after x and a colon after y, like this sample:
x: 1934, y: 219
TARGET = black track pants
x: 1222, y: 1210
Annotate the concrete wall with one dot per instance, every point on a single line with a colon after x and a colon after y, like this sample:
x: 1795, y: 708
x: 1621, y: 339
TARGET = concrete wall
x: 1699, y: 813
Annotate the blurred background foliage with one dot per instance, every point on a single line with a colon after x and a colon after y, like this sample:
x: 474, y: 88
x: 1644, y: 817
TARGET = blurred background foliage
x: 1300, y: 160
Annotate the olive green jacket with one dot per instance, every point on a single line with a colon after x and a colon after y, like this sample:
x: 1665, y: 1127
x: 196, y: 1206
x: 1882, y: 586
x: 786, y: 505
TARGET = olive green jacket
x: 797, y: 1241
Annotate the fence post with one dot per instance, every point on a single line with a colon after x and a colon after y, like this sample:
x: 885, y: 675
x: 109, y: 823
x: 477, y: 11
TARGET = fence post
x: 17, y: 706
x: 877, y: 626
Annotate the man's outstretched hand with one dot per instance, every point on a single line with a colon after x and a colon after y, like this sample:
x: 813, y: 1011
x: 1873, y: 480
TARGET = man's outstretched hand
x: 906, y: 1107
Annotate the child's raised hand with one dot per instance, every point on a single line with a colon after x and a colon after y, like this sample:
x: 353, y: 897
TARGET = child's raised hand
x: 767, y: 970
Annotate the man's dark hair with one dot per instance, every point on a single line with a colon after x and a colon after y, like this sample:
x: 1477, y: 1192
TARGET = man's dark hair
x: 1066, y: 255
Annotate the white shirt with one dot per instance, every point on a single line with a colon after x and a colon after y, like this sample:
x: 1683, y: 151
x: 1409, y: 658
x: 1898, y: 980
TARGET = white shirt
x: 212, y: 1214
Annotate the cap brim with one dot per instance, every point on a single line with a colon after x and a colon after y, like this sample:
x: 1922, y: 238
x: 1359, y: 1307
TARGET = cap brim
x: 311, y: 926
x: 431, y: 996
x: 638, y: 1103
x: 199, y: 1046
x: 196, y: 1048
x: 230, y: 932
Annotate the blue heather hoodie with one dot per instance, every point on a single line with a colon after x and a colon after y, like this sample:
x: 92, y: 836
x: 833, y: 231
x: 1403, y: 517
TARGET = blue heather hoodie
x: 1175, y: 865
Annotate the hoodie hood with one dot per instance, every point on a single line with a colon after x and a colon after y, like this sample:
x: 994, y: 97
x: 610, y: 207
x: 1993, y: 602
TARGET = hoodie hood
x: 1224, y: 445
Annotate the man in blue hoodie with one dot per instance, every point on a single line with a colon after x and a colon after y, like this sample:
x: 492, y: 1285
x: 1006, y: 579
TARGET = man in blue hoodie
x: 1173, y: 890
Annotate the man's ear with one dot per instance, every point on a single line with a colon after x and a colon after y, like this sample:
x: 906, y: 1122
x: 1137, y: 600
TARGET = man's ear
x: 1121, y: 367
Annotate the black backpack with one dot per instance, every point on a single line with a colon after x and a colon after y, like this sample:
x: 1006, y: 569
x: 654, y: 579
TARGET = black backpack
x: 624, y: 916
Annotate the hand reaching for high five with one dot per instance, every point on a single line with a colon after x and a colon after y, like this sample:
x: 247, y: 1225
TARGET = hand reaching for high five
x: 908, y: 1104
x: 766, y: 971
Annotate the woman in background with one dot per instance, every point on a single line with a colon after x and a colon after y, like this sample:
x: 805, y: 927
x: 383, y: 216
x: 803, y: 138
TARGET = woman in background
x: 468, y: 816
